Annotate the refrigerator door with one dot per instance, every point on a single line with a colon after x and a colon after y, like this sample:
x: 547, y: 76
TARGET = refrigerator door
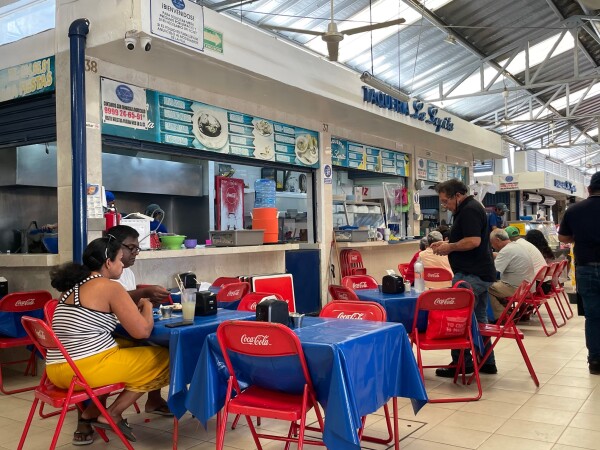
x: 230, y: 203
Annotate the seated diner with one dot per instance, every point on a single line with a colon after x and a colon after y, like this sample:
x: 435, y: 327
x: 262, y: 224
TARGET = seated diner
x: 84, y: 320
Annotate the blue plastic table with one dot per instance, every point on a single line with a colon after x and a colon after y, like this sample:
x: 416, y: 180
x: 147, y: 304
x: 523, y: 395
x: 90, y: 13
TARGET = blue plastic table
x: 356, y: 367
x: 401, y: 308
x: 398, y: 307
x: 185, y: 344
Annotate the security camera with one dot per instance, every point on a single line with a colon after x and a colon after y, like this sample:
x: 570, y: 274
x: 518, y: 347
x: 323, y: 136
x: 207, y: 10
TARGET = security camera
x: 130, y: 42
x: 146, y: 42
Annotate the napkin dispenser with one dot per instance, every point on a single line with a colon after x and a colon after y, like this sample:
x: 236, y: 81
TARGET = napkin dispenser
x: 188, y: 279
x: 206, y: 303
x: 392, y: 284
x: 272, y: 310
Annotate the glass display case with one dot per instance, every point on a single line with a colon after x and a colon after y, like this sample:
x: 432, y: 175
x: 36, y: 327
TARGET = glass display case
x: 358, y: 214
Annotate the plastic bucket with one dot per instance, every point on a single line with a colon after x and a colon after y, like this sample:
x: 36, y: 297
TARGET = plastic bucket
x: 271, y: 237
x: 270, y: 226
x: 264, y: 213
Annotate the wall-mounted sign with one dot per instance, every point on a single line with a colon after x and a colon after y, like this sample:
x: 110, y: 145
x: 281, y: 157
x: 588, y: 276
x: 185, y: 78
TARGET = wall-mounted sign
x: 35, y: 77
x: 421, y: 169
x: 363, y: 157
x: 430, y: 170
x: 179, y: 21
x: 509, y: 183
x: 415, y: 110
x: 327, y: 174
x: 137, y: 113
x: 213, y: 40
x: 566, y: 185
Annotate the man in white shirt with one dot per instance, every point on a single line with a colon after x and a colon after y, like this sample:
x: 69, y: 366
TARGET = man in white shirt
x: 514, y: 264
x: 157, y: 294
x: 536, y: 256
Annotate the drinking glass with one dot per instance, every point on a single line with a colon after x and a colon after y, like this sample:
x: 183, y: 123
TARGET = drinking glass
x: 188, y: 303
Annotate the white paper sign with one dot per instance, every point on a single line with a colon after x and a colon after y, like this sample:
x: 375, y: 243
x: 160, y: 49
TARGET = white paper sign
x: 179, y: 21
x: 123, y: 104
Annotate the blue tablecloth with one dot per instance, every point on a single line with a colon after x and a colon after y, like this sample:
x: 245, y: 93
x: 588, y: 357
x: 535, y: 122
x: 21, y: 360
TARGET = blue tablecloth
x: 398, y: 307
x: 401, y: 308
x: 185, y: 344
x: 356, y: 367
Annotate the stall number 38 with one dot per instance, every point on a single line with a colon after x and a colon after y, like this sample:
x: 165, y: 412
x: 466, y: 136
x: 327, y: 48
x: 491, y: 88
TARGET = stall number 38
x: 91, y: 65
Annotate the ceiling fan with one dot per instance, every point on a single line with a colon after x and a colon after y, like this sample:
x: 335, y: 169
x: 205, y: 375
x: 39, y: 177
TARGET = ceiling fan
x: 333, y: 36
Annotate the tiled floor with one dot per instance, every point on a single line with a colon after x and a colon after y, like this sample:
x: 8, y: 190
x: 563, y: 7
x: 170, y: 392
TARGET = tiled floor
x: 562, y: 414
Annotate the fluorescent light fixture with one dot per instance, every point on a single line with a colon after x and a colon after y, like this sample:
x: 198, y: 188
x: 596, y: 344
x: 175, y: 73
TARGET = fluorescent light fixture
x: 369, y: 79
x: 483, y: 174
x: 450, y: 40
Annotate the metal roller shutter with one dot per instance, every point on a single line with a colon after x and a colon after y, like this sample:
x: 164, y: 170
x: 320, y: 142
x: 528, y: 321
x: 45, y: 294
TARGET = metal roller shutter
x: 28, y: 120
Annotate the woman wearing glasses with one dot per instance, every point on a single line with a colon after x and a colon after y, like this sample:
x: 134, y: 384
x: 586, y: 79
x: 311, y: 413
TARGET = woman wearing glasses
x: 84, y: 321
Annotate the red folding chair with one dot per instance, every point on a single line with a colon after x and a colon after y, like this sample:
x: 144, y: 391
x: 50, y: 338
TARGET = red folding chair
x: 537, y: 298
x: 356, y: 282
x: 232, y: 292
x: 437, y: 274
x: 450, y: 312
x: 351, y: 263
x: 338, y: 292
x: 361, y: 310
x: 79, y: 390
x: 402, y: 268
x: 166, y: 301
x: 19, y: 303
x: 248, y: 303
x: 552, y: 268
x: 505, y: 327
x: 558, y: 289
x: 222, y: 281
x: 49, y: 309
x: 266, y: 340
x: 350, y: 309
x: 251, y: 299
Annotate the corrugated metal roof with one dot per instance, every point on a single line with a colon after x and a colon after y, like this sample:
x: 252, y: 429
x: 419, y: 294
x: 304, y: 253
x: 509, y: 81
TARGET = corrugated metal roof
x: 416, y: 59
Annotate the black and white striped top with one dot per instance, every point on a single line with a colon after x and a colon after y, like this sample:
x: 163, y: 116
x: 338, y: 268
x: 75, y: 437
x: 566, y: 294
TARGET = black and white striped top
x: 83, y: 332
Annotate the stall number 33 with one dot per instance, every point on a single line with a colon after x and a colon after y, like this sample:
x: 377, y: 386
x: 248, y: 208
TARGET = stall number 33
x: 91, y: 65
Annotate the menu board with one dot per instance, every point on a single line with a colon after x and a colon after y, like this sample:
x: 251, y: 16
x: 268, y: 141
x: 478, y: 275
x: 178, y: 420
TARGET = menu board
x: 435, y: 171
x: 143, y: 114
x: 363, y: 157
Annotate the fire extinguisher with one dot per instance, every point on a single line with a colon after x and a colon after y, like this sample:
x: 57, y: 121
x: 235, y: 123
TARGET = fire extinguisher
x: 112, y: 217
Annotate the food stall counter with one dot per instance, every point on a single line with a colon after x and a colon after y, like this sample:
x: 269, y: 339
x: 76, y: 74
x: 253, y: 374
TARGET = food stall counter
x: 29, y: 260
x: 213, y: 251
x: 376, y: 244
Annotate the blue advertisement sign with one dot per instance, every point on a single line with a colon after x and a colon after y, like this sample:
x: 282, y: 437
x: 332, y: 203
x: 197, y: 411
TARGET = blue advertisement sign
x: 363, y: 157
x: 147, y: 115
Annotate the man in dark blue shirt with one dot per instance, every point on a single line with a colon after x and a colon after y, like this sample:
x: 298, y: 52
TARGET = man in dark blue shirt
x: 470, y: 257
x: 496, y: 219
x: 580, y: 225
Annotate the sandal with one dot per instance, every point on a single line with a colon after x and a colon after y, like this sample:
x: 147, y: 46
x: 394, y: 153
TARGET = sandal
x: 162, y: 410
x: 124, y: 427
x: 83, y: 437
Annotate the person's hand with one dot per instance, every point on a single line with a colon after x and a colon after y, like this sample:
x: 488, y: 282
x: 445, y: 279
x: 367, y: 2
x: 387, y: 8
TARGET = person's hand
x: 143, y: 304
x: 156, y: 294
x: 441, y: 248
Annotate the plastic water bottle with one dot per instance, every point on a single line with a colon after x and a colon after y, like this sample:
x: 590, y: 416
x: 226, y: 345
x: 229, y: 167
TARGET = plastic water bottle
x: 264, y: 190
x: 419, y: 281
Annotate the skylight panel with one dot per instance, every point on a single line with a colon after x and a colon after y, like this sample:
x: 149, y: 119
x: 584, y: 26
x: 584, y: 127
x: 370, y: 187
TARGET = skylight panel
x: 25, y: 18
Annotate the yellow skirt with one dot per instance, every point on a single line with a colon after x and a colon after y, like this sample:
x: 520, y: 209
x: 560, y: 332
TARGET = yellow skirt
x: 141, y: 368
